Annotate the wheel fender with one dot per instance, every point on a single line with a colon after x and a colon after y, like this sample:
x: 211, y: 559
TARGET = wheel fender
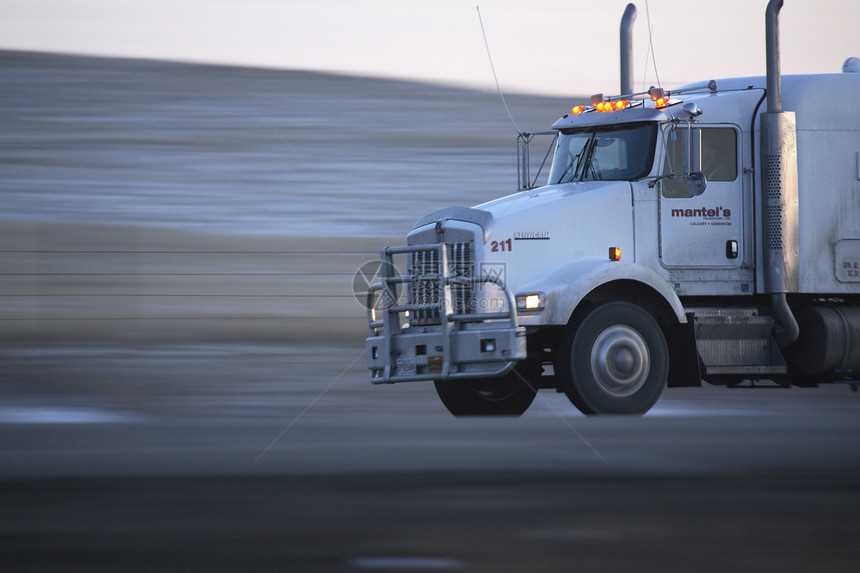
x: 565, y: 287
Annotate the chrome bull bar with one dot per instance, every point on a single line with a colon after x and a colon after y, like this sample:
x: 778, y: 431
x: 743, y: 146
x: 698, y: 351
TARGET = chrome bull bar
x: 462, y: 345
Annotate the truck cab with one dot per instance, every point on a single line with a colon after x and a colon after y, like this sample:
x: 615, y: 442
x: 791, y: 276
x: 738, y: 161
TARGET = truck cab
x: 681, y: 236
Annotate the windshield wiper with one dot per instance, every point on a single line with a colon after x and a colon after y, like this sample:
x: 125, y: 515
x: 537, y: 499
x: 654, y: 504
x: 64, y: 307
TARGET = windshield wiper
x: 588, y: 162
x: 574, y: 161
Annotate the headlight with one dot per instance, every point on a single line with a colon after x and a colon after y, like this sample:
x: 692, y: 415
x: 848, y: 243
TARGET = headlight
x: 530, y: 302
x: 371, y: 305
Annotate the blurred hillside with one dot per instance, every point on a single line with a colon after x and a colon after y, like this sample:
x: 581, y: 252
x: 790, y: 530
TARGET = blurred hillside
x: 156, y: 201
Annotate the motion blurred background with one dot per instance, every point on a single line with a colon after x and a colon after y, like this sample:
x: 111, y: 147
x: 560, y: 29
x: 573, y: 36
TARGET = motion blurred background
x: 148, y: 200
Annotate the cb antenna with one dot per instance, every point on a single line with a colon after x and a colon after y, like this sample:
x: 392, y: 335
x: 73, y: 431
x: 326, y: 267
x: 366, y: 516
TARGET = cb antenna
x: 492, y: 67
x: 651, y: 45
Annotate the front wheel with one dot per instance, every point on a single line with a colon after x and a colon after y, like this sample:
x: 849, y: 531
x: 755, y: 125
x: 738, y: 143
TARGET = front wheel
x: 615, y: 361
x: 508, y: 395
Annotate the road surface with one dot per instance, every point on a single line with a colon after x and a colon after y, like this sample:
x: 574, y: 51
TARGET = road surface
x: 228, y: 457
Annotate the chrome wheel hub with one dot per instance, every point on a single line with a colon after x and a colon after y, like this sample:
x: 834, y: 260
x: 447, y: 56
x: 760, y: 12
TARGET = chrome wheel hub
x: 620, y: 360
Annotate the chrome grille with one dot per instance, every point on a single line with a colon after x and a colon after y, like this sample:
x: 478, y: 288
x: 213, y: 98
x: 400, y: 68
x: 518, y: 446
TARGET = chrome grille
x: 424, y: 290
x: 462, y: 266
x: 427, y: 286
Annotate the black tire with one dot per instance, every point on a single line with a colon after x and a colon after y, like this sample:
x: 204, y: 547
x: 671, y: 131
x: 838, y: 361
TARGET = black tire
x: 509, y: 395
x: 614, y: 361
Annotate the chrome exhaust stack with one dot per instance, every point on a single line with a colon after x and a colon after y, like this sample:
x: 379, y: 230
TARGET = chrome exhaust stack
x: 627, y: 49
x: 780, y: 223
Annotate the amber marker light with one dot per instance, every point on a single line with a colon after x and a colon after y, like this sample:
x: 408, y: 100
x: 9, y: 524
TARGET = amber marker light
x: 578, y: 110
x: 659, y: 97
x: 614, y: 253
x: 612, y: 105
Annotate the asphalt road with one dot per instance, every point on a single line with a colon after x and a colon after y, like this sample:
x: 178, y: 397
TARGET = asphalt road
x: 225, y: 457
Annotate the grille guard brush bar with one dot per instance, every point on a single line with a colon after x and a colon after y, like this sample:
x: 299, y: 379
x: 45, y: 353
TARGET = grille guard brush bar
x: 388, y: 328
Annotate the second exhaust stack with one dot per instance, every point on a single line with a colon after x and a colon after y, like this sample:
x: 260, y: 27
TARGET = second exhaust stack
x: 627, y: 49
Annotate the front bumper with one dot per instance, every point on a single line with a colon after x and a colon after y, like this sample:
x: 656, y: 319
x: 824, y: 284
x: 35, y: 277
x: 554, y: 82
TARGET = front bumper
x: 459, y: 345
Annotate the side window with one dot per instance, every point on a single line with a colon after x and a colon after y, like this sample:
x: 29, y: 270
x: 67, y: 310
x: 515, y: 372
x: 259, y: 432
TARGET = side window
x: 719, y: 159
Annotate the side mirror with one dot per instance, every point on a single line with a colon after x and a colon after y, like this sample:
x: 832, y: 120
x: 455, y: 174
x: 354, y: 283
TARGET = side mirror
x: 691, y: 150
x: 696, y: 183
x: 524, y: 161
x: 691, y: 109
x: 691, y: 159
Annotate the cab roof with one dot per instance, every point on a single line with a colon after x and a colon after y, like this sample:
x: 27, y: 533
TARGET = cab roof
x: 798, y: 91
x: 595, y: 118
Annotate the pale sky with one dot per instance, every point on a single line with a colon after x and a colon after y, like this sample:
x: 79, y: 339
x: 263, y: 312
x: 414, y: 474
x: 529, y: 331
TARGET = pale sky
x: 554, y: 47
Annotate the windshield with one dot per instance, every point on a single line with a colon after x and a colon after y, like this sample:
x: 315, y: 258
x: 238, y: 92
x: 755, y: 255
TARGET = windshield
x: 613, y: 153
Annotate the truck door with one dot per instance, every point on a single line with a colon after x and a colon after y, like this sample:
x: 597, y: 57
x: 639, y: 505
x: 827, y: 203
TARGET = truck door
x: 704, y: 231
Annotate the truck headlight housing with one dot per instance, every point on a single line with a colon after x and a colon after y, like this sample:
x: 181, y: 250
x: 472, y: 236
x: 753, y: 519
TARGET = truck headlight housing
x: 371, y: 304
x: 530, y: 302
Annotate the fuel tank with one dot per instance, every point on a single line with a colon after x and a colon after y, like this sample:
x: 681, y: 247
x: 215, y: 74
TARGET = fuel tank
x: 829, y: 344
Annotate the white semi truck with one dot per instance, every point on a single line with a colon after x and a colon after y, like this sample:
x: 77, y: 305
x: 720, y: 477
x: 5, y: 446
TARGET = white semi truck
x: 710, y: 232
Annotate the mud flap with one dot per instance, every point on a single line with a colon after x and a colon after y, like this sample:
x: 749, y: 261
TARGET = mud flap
x: 684, y: 364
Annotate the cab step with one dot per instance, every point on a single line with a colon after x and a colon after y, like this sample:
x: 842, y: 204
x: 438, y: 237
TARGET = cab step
x: 737, y: 343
